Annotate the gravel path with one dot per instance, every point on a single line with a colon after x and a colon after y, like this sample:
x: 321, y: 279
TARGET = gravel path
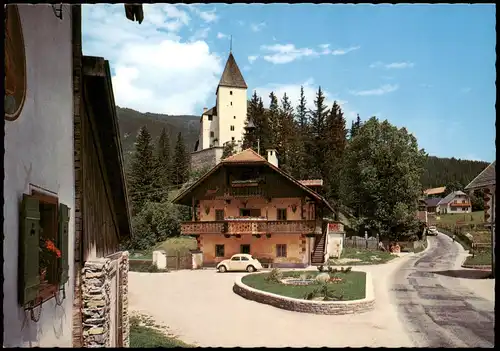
x: 442, y: 304
x: 201, y: 308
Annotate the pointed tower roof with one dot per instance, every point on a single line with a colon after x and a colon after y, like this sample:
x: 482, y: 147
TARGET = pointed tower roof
x: 232, y: 77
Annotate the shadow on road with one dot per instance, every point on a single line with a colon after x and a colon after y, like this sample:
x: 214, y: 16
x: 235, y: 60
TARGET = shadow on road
x: 466, y: 273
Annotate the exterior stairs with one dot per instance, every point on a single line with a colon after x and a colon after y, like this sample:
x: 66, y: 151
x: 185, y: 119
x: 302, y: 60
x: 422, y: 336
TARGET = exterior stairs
x: 318, y: 254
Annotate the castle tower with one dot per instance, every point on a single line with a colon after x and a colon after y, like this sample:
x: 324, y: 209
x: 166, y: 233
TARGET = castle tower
x: 231, y: 104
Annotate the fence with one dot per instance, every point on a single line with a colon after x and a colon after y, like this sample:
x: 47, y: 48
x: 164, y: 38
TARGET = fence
x: 359, y: 242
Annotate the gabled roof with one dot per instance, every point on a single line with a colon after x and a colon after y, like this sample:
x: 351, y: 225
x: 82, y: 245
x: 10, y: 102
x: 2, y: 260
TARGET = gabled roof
x: 211, y: 112
x: 433, y: 202
x: 248, y: 156
x: 435, y: 191
x: 485, y: 178
x: 232, y: 77
x: 450, y: 197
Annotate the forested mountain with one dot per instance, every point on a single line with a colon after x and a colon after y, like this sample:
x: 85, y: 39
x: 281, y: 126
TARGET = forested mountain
x: 442, y: 171
x: 438, y: 171
x: 131, y: 121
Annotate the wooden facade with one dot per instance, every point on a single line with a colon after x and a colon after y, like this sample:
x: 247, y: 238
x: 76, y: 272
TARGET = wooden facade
x: 251, y: 205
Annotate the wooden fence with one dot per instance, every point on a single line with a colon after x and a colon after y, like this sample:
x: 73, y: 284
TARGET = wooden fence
x: 359, y: 242
x: 174, y: 262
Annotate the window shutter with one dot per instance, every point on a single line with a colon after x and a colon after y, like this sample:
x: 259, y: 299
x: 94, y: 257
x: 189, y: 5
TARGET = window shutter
x: 63, y: 241
x: 29, y: 245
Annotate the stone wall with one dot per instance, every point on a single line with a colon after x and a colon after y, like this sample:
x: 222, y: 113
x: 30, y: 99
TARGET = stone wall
x: 96, y: 301
x: 307, y: 306
x: 206, y: 157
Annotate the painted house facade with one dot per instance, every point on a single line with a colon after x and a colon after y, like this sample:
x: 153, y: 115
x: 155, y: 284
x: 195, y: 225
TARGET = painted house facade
x: 60, y: 126
x: 486, y: 180
x: 455, y: 202
x: 246, y: 204
x: 225, y: 122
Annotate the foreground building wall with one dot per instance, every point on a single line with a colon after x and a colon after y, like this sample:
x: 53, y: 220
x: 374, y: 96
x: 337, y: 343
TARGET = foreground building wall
x: 39, y: 156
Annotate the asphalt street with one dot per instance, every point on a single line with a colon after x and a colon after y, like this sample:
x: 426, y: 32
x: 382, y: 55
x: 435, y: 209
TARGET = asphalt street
x: 437, y: 310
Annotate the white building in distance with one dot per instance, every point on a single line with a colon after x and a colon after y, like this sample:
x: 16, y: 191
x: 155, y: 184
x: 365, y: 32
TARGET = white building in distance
x: 225, y: 122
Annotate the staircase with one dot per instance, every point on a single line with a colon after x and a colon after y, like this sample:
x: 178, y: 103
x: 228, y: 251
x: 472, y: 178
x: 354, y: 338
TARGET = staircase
x: 318, y: 254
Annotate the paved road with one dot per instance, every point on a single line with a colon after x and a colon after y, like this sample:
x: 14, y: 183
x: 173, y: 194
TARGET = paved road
x: 439, y: 311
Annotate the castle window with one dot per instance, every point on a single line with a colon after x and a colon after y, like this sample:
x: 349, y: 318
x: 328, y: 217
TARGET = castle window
x: 232, y: 128
x: 231, y: 103
x: 230, y: 92
x: 210, y: 117
x: 232, y: 138
x: 212, y: 134
x: 234, y: 117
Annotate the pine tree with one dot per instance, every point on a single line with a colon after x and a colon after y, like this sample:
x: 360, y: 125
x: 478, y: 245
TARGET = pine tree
x: 291, y: 149
x: 180, y: 168
x: 317, y: 146
x: 229, y: 149
x: 355, y: 125
x: 336, y: 141
x: 273, y: 117
x: 260, y: 136
x: 163, y: 159
x: 250, y: 136
x: 142, y: 171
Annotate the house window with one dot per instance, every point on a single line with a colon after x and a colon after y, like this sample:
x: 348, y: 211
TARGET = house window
x: 453, y: 208
x: 281, y: 215
x: 232, y: 138
x: 231, y: 103
x: 463, y: 201
x: 245, y: 249
x: 230, y: 92
x: 212, y: 134
x: 234, y: 117
x: 219, y: 251
x: 219, y: 215
x: 210, y: 117
x: 232, y: 128
x: 281, y: 250
x: 250, y: 212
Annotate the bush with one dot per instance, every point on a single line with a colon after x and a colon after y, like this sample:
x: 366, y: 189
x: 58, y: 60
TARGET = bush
x: 321, y: 268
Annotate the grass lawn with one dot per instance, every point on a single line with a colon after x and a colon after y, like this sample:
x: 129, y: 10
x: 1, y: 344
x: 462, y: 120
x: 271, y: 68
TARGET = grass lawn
x: 144, y: 333
x: 476, y: 217
x: 353, y: 256
x: 352, y: 287
x: 480, y: 258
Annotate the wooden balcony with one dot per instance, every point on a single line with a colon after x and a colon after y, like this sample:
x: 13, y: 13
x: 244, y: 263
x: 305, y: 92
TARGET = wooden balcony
x: 248, y: 227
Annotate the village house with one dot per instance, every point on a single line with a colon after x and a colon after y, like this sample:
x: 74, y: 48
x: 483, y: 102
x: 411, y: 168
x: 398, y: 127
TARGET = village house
x: 435, y: 192
x: 432, y: 204
x: 455, y: 202
x: 225, y: 122
x: 247, y: 204
x: 486, y: 180
x: 65, y: 200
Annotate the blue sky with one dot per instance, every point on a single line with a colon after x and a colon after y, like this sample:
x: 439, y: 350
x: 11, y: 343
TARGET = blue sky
x: 429, y: 68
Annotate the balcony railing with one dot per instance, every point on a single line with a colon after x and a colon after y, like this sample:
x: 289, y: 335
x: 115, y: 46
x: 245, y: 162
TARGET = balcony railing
x: 248, y: 227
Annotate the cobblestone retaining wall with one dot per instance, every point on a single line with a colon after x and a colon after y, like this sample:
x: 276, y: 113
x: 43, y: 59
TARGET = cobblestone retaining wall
x: 306, y: 306
x: 96, y: 300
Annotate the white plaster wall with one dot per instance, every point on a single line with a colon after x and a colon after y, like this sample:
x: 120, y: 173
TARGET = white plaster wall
x: 39, y: 151
x: 226, y: 114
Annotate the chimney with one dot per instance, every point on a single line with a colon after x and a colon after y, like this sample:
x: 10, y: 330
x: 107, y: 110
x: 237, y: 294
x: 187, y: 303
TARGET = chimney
x: 272, y: 157
x: 205, y: 110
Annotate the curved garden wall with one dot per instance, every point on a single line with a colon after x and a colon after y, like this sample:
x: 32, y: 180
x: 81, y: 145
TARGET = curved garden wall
x: 308, y: 306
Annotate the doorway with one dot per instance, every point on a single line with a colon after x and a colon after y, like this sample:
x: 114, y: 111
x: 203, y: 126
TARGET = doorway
x: 245, y: 249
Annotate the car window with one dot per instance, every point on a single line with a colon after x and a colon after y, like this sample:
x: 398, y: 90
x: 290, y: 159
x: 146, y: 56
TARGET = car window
x: 237, y: 258
x: 243, y: 258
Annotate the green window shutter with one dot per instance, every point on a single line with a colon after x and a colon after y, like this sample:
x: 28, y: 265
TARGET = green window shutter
x: 29, y: 245
x: 63, y: 241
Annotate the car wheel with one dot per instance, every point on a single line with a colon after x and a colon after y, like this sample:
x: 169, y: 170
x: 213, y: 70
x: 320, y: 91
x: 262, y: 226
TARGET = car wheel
x: 222, y: 269
x: 250, y: 269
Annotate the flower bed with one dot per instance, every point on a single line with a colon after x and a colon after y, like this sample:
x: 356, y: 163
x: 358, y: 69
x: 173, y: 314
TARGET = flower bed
x: 339, y: 293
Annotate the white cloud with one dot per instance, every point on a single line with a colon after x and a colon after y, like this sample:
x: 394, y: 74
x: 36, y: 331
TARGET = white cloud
x: 252, y: 58
x: 384, y: 89
x: 310, y: 90
x: 393, y: 65
x: 201, y: 33
x: 345, y: 51
x: 222, y: 35
x: 154, y: 70
x: 286, y: 53
x: 257, y: 27
x: 207, y: 16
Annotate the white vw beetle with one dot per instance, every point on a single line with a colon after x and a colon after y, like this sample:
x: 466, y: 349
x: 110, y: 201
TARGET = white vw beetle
x: 239, y: 262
